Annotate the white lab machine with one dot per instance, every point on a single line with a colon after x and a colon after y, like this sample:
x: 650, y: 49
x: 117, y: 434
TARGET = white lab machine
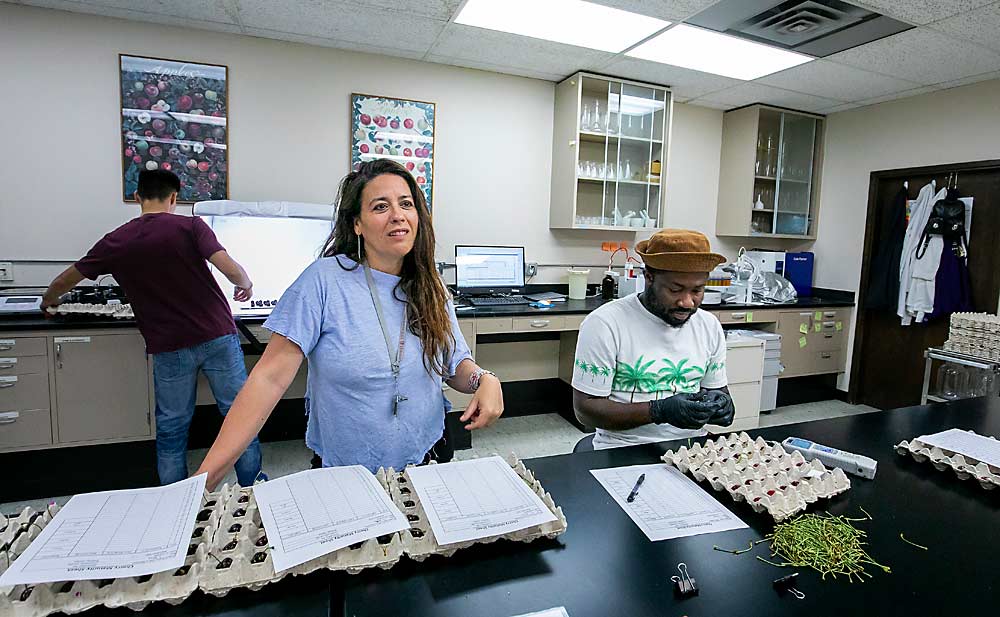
x: 768, y: 261
x: 273, y: 241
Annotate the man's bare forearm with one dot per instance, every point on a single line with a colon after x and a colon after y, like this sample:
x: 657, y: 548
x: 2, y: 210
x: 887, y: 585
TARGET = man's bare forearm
x: 609, y: 415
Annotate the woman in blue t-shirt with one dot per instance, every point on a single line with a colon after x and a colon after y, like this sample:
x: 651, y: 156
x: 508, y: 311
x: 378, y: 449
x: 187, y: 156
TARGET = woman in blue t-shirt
x: 379, y: 330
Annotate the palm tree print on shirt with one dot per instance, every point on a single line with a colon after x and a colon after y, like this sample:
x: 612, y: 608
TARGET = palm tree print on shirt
x: 679, y: 377
x: 635, y: 377
x: 593, y: 371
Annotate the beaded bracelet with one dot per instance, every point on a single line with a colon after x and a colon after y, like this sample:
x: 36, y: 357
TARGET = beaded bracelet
x: 476, y: 376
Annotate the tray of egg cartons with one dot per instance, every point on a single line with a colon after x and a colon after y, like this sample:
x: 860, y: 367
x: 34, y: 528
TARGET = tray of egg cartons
x: 229, y: 549
x: 764, y: 474
x: 419, y: 542
x: 974, y: 334
x: 116, y: 311
x: 965, y: 467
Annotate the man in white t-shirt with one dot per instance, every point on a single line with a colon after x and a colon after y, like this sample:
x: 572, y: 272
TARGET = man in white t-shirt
x: 652, y: 366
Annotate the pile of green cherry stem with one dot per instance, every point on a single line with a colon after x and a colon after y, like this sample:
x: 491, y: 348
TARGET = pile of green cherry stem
x: 829, y: 544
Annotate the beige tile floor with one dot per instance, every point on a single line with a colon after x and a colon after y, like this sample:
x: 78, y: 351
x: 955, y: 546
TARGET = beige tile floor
x: 527, y: 437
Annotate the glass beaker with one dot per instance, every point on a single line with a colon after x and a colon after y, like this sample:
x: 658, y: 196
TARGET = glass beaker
x: 947, y: 381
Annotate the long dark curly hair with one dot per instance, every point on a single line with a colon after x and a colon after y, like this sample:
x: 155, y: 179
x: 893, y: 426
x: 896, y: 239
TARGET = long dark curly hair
x: 425, y: 292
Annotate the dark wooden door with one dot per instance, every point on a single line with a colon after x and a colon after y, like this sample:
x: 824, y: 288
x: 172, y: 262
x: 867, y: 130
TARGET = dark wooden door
x: 888, y: 362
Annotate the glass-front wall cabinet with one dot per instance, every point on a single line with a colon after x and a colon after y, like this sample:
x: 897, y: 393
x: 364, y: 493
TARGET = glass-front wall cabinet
x: 778, y: 149
x: 609, y: 158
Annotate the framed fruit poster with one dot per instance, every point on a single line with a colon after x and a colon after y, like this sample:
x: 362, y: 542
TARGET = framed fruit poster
x: 174, y: 117
x: 396, y: 129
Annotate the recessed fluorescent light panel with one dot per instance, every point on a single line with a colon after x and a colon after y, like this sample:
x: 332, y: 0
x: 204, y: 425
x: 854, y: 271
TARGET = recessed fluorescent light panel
x: 572, y: 22
x: 721, y: 54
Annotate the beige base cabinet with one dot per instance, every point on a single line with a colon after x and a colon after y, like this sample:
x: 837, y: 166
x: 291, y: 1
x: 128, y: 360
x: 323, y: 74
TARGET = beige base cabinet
x: 101, y: 387
x: 74, y: 387
x: 813, y: 342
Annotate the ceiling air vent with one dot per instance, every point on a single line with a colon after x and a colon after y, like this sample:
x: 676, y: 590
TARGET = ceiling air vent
x: 814, y: 27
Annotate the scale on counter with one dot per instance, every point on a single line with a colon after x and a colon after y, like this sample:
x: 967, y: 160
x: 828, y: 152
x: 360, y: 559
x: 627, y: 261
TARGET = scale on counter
x: 20, y: 304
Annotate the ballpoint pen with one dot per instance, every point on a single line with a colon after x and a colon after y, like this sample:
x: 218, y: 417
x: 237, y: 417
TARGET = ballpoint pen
x: 635, y: 489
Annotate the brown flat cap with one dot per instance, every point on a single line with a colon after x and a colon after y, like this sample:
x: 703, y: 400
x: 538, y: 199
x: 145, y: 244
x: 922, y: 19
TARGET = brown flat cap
x: 679, y: 250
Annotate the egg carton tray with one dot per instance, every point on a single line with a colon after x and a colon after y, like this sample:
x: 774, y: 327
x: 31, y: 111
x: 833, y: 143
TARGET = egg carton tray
x: 763, y: 474
x: 229, y: 550
x: 964, y: 467
x: 419, y: 541
x: 117, y: 311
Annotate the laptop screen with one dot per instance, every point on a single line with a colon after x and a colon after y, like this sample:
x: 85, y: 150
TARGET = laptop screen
x: 489, y: 269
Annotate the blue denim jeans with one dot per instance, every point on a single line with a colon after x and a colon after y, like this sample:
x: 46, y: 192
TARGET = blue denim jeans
x: 175, y: 379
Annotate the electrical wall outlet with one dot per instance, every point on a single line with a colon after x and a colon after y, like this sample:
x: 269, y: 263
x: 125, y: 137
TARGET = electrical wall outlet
x: 530, y: 269
x: 6, y: 271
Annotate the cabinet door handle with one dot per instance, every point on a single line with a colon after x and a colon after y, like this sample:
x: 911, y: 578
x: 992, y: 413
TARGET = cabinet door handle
x: 737, y: 315
x: 826, y: 356
x: 8, y: 382
x: 5, y: 366
x: 6, y: 345
x: 59, y: 355
x: 539, y: 323
x: 9, y: 418
x: 830, y: 314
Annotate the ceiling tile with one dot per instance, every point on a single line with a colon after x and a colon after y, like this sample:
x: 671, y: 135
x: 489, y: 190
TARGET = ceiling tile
x: 965, y: 81
x: 671, y: 10
x: 836, y: 81
x: 921, y: 12
x: 334, y: 43
x: 921, y: 55
x: 485, y: 66
x: 500, y: 49
x: 748, y: 93
x: 441, y: 10
x: 342, y: 22
x: 978, y: 26
x: 839, y: 108
x: 175, y: 12
x: 710, y: 105
x: 899, y: 95
x: 684, y: 83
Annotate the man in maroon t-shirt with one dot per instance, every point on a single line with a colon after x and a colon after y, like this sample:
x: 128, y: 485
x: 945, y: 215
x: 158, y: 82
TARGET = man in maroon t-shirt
x: 159, y: 259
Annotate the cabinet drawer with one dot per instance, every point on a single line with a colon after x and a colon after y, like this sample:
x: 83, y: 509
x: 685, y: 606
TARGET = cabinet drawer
x: 25, y: 428
x: 744, y: 364
x: 746, y: 399
x: 23, y: 366
x: 23, y: 392
x: 827, y: 340
x: 573, y: 322
x: 746, y: 316
x: 494, y: 325
x: 826, y: 361
x: 19, y: 347
x: 534, y: 324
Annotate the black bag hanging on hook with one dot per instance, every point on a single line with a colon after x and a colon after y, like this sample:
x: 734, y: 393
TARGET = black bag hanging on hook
x: 948, y: 220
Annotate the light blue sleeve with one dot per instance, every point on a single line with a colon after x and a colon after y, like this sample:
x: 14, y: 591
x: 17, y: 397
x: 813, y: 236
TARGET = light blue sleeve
x: 299, y: 315
x: 461, y: 351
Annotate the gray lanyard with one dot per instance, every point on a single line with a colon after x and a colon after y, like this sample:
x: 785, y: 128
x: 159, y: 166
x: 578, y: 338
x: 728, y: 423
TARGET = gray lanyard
x: 395, y: 356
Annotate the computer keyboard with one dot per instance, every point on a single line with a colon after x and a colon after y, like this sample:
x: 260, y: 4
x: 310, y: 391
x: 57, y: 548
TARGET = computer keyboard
x: 496, y: 300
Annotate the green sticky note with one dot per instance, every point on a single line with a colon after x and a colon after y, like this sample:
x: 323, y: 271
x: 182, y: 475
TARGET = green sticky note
x: 749, y: 317
x: 840, y: 326
x: 818, y: 315
x: 802, y: 341
x: 818, y: 327
x: 804, y: 328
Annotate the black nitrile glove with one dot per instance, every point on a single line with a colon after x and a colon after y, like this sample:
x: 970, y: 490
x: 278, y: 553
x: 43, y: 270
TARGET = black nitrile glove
x: 682, y: 410
x: 722, y: 404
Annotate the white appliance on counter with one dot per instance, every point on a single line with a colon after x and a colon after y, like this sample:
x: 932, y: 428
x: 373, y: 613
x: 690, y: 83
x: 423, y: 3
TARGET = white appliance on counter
x: 273, y: 240
x: 768, y: 261
x: 20, y: 304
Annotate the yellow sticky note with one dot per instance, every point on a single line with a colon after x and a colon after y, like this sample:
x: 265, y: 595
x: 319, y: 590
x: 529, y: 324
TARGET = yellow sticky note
x: 818, y: 327
x: 749, y: 317
x: 802, y: 341
x: 839, y: 325
x: 818, y: 315
x: 804, y: 328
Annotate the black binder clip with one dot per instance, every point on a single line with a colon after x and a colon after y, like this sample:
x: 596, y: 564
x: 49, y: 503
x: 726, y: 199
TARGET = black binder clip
x: 787, y: 583
x: 684, y: 585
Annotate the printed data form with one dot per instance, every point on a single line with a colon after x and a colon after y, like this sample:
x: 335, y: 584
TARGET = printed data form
x: 312, y: 513
x: 967, y: 444
x: 667, y: 504
x: 113, y: 534
x: 478, y: 498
